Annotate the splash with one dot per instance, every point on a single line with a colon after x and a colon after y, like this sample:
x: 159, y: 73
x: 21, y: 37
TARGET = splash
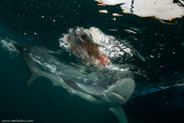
x: 93, y: 47
x: 5, y: 43
x: 85, y: 44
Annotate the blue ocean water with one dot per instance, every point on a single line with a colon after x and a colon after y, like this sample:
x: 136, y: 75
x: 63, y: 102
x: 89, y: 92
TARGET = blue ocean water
x: 38, y: 23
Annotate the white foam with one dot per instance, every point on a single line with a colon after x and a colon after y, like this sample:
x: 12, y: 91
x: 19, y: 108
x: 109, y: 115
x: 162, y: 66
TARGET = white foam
x: 7, y: 45
x: 111, y: 47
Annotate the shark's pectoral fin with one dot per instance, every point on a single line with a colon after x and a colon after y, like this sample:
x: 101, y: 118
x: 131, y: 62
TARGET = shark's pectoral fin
x: 31, y: 78
x: 119, y: 113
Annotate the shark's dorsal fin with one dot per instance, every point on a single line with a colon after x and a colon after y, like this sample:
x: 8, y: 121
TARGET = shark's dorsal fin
x: 119, y: 113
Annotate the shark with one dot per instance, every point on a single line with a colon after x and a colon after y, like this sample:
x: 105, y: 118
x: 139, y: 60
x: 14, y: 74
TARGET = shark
x: 90, y: 73
x: 111, y: 95
x: 74, y: 68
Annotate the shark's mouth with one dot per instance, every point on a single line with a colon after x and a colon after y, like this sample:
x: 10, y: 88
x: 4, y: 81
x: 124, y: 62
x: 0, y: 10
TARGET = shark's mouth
x: 120, y: 95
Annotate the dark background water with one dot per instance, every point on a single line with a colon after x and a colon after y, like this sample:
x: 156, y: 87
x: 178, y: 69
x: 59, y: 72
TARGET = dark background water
x: 41, y: 23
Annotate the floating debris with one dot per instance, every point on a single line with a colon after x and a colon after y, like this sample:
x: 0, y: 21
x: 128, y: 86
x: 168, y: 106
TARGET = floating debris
x: 110, y: 2
x: 113, y: 30
x: 103, y: 11
x: 113, y: 19
x: 130, y: 31
x: 35, y: 33
x: 116, y: 14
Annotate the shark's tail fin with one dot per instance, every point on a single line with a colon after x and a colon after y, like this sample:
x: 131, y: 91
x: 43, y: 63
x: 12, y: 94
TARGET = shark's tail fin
x: 120, y: 114
x: 34, y: 70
